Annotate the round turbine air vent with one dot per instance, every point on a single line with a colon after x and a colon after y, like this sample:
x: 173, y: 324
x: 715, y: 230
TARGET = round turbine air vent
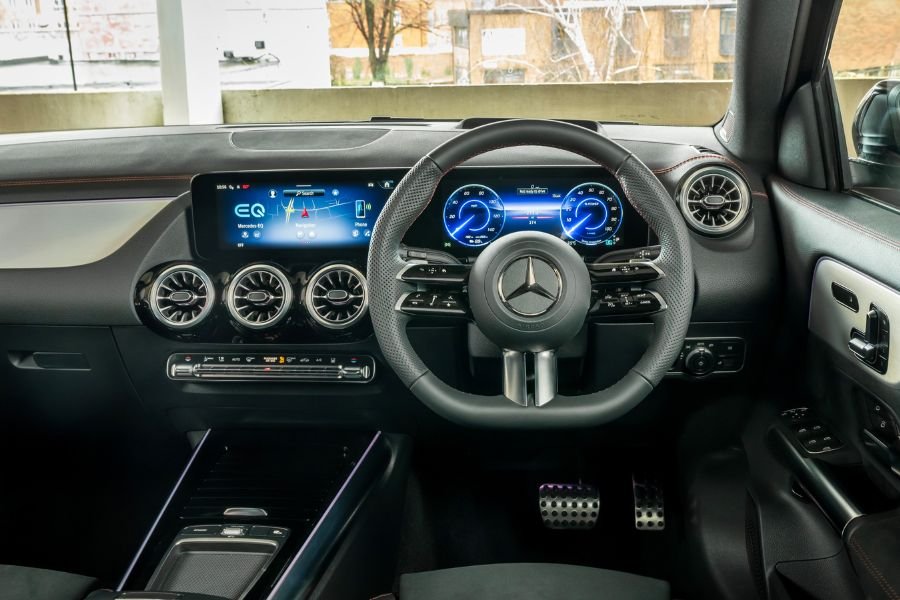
x: 714, y: 200
x: 182, y: 296
x: 337, y: 296
x: 259, y: 296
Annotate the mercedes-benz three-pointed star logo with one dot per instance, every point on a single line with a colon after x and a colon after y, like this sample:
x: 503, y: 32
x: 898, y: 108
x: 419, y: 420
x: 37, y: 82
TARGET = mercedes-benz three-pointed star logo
x: 530, y: 286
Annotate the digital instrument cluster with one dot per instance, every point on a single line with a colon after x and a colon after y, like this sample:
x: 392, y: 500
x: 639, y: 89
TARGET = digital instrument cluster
x: 260, y: 213
x: 585, y: 206
x: 590, y: 213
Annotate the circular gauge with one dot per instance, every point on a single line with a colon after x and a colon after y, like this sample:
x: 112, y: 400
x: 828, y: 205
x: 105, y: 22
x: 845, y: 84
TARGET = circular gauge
x: 591, y: 213
x: 474, y: 215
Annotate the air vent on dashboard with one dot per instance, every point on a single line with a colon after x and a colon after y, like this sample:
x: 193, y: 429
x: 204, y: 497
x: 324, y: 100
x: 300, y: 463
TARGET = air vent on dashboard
x: 337, y: 296
x: 259, y: 296
x: 714, y: 200
x: 181, y: 296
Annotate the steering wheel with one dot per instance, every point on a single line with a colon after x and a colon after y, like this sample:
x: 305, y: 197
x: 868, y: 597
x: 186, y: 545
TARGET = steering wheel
x: 528, y: 292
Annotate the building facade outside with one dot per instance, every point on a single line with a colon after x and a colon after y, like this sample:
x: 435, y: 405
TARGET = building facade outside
x: 315, y: 43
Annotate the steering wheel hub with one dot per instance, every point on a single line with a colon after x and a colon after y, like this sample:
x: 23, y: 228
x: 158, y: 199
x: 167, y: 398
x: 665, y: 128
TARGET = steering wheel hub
x: 529, y: 291
x: 530, y: 286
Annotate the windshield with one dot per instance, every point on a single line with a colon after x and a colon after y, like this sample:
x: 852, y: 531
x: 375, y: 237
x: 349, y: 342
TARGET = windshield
x: 644, y: 61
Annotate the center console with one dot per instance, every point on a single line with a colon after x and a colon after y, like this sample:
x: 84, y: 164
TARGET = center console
x: 260, y: 514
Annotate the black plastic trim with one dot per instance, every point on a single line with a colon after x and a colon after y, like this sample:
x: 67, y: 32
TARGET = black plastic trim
x: 831, y: 500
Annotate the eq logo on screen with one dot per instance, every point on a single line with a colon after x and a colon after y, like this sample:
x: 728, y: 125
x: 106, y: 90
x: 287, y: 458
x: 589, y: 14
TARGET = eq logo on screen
x: 245, y: 210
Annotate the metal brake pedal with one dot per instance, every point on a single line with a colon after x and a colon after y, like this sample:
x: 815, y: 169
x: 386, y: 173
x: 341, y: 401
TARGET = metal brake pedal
x: 649, y: 503
x: 568, y: 505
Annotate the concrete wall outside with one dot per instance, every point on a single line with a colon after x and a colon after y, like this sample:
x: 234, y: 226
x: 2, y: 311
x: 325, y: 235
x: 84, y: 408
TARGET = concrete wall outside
x: 79, y: 110
x: 674, y: 103
x: 657, y: 103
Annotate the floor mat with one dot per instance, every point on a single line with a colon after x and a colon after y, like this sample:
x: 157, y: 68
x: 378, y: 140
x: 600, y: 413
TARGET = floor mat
x: 461, y: 512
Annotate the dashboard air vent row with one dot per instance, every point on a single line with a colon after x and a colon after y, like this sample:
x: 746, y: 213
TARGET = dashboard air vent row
x: 259, y: 296
x: 714, y: 200
x: 337, y: 296
x: 181, y: 296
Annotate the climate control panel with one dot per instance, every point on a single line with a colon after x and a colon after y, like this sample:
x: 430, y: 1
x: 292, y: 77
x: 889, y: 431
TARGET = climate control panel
x: 271, y: 367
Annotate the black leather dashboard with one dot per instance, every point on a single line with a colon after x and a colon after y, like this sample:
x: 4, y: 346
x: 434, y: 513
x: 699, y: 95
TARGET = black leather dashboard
x: 161, y: 163
x: 736, y: 275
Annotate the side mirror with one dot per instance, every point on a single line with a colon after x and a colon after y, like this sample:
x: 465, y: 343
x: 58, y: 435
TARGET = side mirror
x: 876, y: 125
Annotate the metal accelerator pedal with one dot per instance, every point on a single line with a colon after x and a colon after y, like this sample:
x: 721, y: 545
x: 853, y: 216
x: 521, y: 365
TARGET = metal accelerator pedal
x: 649, y: 503
x: 568, y: 505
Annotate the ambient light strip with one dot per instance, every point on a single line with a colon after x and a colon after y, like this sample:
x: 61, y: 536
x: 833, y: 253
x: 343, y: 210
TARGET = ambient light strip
x: 44, y: 235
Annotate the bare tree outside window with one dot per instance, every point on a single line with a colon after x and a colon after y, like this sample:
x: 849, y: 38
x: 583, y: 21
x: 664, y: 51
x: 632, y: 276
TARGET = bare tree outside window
x: 381, y: 23
x: 575, y: 51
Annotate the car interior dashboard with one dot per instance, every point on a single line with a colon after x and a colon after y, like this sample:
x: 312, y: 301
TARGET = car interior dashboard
x: 429, y: 358
x: 255, y: 274
x: 226, y: 290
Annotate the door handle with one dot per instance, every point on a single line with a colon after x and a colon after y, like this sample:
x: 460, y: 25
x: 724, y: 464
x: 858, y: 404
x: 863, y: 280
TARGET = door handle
x: 871, y: 346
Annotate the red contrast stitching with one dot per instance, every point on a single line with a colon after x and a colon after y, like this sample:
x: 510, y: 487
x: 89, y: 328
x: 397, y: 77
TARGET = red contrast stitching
x: 711, y: 157
x: 889, y: 242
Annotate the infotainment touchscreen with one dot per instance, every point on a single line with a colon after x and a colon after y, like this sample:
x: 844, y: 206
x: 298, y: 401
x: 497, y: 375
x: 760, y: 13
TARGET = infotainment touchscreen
x: 303, y: 210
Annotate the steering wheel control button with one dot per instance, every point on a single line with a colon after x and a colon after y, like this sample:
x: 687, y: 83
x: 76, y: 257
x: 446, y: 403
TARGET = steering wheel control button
x: 432, y: 274
x: 615, y: 302
x: 530, y: 286
x: 630, y: 272
x: 726, y: 355
x: 271, y: 367
x: 448, y: 304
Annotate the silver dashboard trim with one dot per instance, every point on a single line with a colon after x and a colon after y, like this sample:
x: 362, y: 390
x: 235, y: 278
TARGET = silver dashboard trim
x: 46, y: 235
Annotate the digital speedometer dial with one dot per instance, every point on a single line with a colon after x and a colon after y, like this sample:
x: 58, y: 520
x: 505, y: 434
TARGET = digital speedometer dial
x: 474, y: 215
x: 590, y: 214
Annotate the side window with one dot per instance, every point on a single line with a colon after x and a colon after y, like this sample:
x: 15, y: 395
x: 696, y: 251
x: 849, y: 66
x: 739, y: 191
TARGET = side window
x: 865, y: 60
